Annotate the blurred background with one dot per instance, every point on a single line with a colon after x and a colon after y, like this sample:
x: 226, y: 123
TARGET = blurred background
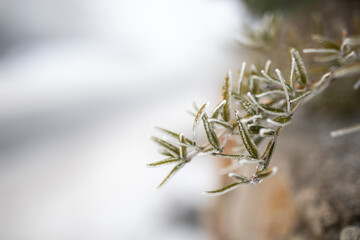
x: 82, y: 82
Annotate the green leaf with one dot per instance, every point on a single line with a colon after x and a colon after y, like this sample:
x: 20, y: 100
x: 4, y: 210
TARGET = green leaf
x: 198, y: 116
x: 162, y: 162
x: 210, y: 133
x: 241, y: 77
x: 292, y: 72
x: 223, y: 190
x: 267, y: 155
x: 174, y: 135
x: 218, y: 109
x: 227, y: 96
x: 218, y: 121
x: 249, y: 107
x: 282, y: 80
x: 173, y: 149
x: 266, y: 132
x: 270, y: 92
x: 239, y: 177
x: 255, y: 129
x: 301, y: 95
x: 229, y: 156
x: 300, y: 66
x: 325, y: 42
x: 247, y: 140
x: 280, y: 121
x: 167, y: 153
x: 172, y: 173
x: 270, y: 110
x: 182, y: 148
x: 266, y: 172
x: 267, y: 66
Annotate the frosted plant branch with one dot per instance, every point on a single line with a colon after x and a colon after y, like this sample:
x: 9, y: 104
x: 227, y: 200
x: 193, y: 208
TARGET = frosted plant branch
x: 262, y: 104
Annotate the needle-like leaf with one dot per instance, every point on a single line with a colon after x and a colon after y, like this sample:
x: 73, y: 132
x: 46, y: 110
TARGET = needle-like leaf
x: 226, y: 114
x: 239, y: 177
x: 248, y: 107
x: 247, y: 140
x: 223, y: 190
x: 229, y: 156
x: 266, y: 172
x: 270, y: 110
x: 170, y: 147
x: 174, y: 134
x: 218, y: 121
x: 241, y: 77
x: 182, y: 148
x: 198, y: 116
x: 218, y: 109
x: 210, y: 133
x: 280, y: 121
x: 300, y: 66
x: 164, y: 162
x: 172, y: 173
x: 325, y: 42
x: 299, y: 96
x: 270, y: 92
x: 282, y: 80
x: 267, y: 155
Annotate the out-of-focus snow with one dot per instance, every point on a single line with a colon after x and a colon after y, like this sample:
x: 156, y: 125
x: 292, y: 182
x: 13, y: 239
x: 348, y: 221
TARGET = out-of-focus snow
x: 81, y: 84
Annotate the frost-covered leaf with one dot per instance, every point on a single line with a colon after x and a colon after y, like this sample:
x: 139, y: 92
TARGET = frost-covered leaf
x: 280, y: 121
x: 198, y: 116
x: 248, y: 160
x: 267, y: 66
x: 170, y: 147
x: 210, y: 133
x: 229, y: 156
x: 241, y: 77
x: 321, y: 50
x: 325, y: 42
x: 167, y: 153
x: 292, y: 72
x: 266, y: 132
x: 270, y: 92
x: 239, y: 177
x: 251, y: 119
x: 266, y: 172
x: 174, y: 134
x: 172, y: 173
x: 182, y: 148
x: 218, y: 109
x: 218, y: 121
x: 299, y: 96
x: 248, y: 107
x: 226, y: 114
x: 300, y: 67
x: 270, y: 110
x: 267, y: 155
x: 164, y: 162
x: 223, y: 190
x: 247, y: 140
x: 282, y: 80
x: 255, y: 129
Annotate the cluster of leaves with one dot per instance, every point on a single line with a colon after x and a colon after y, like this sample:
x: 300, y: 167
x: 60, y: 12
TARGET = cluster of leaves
x: 256, y: 107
